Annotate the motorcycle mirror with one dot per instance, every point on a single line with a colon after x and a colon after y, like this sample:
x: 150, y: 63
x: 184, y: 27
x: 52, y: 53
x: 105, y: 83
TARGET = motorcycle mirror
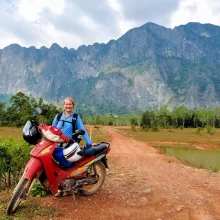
x: 38, y: 110
x: 79, y: 132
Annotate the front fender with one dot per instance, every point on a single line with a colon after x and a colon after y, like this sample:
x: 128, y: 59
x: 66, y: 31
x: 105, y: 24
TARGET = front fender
x: 33, y: 168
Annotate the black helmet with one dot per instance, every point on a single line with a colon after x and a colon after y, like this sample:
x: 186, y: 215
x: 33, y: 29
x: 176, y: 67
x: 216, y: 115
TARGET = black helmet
x: 31, y: 133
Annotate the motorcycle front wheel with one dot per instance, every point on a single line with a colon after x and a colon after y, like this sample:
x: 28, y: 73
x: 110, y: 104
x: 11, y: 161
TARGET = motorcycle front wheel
x: 20, y: 194
x: 96, y: 177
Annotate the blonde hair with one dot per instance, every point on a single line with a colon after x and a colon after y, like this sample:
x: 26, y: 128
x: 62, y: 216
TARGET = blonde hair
x: 70, y: 99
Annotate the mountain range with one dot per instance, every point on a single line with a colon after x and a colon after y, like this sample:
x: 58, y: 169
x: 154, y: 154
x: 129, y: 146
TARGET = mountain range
x: 148, y: 67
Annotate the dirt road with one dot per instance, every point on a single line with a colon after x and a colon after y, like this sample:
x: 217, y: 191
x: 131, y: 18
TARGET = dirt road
x: 143, y: 184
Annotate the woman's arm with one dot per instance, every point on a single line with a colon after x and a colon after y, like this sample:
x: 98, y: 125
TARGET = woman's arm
x: 55, y: 121
x: 79, y: 125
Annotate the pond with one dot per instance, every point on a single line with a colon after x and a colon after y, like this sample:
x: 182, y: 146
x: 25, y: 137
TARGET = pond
x: 208, y: 159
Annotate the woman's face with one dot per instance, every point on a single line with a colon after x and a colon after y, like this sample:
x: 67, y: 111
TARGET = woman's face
x: 68, y: 106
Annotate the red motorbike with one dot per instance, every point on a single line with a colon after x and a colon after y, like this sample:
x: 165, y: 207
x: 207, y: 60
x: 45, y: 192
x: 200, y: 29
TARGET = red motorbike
x: 68, y: 167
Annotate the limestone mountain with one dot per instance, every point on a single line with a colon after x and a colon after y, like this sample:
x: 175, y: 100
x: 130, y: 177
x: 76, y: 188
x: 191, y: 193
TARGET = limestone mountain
x: 147, y: 67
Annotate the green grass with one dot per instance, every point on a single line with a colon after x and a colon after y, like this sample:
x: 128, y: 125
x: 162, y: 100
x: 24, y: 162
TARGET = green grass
x: 29, y: 209
x: 11, y: 132
x: 186, y: 135
x: 97, y: 133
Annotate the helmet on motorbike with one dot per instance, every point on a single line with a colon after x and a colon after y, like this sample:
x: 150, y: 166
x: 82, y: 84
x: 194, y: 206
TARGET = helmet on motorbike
x: 31, y: 133
x: 71, y: 153
x: 59, y: 159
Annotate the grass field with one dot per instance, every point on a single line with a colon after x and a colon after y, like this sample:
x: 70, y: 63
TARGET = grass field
x: 186, y: 135
x: 189, y: 136
x: 97, y: 134
x: 29, y: 210
x: 10, y: 132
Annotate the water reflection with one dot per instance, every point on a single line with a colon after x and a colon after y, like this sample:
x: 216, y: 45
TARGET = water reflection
x: 196, y: 157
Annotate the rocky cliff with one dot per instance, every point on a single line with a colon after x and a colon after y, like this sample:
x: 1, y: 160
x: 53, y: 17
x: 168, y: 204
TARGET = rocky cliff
x: 147, y: 67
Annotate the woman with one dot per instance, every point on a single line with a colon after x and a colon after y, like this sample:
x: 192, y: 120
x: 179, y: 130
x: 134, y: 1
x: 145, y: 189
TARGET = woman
x: 65, y: 121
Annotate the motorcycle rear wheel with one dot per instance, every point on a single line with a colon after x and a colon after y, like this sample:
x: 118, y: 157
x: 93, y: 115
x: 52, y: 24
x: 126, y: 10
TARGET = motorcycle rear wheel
x: 99, y: 171
x: 19, y: 195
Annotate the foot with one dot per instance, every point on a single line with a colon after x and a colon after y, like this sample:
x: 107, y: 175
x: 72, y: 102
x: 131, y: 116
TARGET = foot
x: 59, y: 193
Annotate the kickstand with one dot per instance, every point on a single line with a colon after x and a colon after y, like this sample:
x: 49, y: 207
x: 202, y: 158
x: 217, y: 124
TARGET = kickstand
x: 74, y: 198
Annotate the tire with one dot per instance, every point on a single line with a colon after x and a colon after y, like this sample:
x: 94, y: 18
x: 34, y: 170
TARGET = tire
x: 90, y: 190
x: 19, y: 195
x: 19, y: 183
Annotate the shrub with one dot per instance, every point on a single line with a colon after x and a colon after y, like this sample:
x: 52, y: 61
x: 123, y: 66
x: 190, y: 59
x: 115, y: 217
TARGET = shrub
x: 38, y: 190
x: 13, y: 157
x: 198, y: 130
x: 210, y: 130
x: 133, y: 128
x: 154, y: 128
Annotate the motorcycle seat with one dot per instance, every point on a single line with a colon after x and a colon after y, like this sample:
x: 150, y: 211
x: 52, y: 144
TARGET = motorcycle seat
x: 93, y: 150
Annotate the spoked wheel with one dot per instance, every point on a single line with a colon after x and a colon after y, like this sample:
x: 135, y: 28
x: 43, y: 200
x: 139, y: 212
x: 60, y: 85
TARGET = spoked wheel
x: 19, y: 195
x: 96, y: 178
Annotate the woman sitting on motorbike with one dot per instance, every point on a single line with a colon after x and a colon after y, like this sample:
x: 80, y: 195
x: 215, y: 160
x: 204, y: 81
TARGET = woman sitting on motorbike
x: 65, y: 122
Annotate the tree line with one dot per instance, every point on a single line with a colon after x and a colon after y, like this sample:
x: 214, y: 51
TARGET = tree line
x: 164, y: 117
x: 180, y: 117
x: 21, y: 108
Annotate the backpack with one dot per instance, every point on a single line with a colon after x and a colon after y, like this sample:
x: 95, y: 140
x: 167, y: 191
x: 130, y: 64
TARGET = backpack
x: 73, y: 120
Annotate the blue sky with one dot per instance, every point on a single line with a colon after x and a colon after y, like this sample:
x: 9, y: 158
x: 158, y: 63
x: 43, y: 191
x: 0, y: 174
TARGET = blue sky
x: 72, y: 23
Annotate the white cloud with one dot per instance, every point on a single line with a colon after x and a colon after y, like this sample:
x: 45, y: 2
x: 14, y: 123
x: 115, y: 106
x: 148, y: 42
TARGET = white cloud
x: 203, y: 11
x: 30, y: 9
x: 123, y: 24
x: 73, y: 23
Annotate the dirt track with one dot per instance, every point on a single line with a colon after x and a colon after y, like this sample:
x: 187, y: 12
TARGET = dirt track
x: 143, y: 184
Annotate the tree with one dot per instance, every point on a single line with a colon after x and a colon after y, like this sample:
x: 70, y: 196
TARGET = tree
x: 146, y: 120
x: 20, y: 110
x: 134, y: 121
x: 216, y: 113
x: 176, y: 116
x: 2, y: 113
x: 164, y: 115
x: 201, y: 115
x: 183, y: 114
x: 149, y: 119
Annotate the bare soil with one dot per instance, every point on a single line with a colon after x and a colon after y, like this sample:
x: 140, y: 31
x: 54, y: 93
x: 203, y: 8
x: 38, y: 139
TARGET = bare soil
x: 144, y: 184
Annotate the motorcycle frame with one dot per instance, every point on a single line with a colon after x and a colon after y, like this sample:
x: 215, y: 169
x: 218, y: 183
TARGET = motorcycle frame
x: 41, y: 160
